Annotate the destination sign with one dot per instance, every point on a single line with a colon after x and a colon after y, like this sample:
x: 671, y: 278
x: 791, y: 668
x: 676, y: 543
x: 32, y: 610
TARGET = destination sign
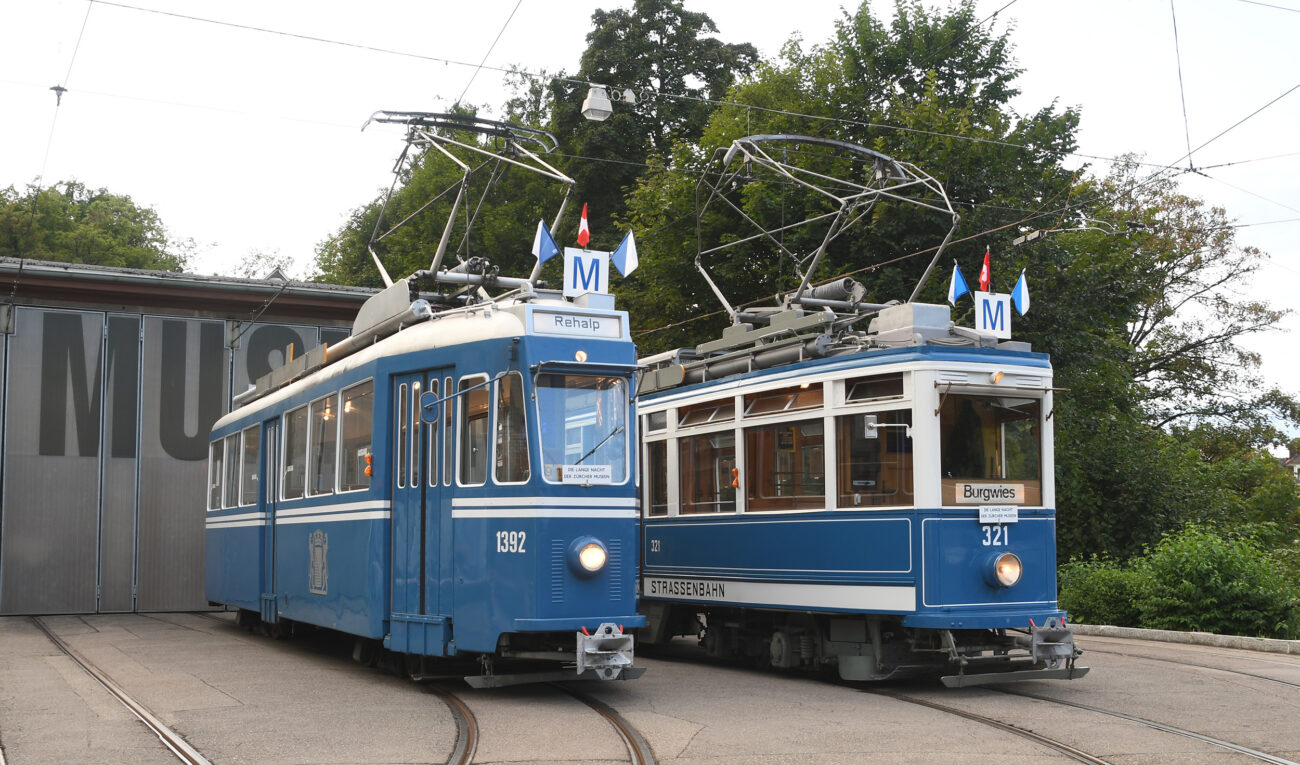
x: 990, y: 493
x: 577, y: 325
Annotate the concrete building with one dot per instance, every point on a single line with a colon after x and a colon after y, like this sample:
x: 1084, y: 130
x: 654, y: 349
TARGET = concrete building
x: 111, y: 379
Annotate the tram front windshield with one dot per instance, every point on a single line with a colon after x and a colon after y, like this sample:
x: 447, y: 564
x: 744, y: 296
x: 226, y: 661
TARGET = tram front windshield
x: 990, y: 440
x: 583, y: 427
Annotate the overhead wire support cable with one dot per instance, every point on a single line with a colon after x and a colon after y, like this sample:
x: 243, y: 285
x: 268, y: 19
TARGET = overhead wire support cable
x: 1182, y: 93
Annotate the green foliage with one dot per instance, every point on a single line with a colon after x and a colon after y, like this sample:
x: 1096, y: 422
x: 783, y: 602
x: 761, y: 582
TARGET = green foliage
x: 1193, y: 580
x: 1197, y: 580
x: 904, y: 91
x: 1099, y: 591
x: 68, y: 222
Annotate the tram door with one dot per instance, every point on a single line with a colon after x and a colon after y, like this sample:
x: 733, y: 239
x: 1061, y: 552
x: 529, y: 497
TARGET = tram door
x: 417, y: 497
x: 270, y: 489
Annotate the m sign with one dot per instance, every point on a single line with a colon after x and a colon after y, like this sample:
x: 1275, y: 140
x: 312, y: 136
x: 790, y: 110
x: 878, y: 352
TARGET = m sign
x: 585, y: 271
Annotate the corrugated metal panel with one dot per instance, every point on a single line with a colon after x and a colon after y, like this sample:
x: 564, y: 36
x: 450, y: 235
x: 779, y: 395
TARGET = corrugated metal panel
x: 49, y: 543
x: 121, y: 436
x: 184, y: 392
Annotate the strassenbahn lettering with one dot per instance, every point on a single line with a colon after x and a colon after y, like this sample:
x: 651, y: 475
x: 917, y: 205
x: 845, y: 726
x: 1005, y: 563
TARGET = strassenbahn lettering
x: 687, y: 588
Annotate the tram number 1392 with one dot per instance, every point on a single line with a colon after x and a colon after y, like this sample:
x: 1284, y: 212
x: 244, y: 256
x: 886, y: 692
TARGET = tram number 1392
x: 996, y: 535
x: 511, y: 541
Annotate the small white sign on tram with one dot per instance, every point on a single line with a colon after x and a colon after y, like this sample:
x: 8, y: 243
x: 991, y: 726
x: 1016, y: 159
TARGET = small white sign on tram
x: 993, y: 314
x: 587, y: 474
x: 999, y: 514
x: 585, y: 271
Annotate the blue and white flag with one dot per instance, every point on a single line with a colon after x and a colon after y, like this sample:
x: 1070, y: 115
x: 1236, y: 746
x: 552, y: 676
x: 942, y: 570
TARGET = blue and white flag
x: 544, y: 246
x: 1020, y: 295
x: 958, y: 286
x: 624, y: 258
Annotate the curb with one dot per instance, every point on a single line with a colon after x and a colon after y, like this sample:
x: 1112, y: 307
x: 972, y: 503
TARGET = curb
x: 1266, y: 645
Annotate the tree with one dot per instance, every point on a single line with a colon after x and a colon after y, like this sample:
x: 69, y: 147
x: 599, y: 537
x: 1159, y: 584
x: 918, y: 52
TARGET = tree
x: 655, y: 46
x: 660, y: 51
x: 68, y: 222
x: 932, y: 89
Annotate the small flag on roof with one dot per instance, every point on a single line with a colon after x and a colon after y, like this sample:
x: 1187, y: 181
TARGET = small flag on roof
x: 624, y: 258
x: 584, y: 233
x: 957, y: 287
x: 985, y: 275
x: 544, y: 246
x: 1020, y: 295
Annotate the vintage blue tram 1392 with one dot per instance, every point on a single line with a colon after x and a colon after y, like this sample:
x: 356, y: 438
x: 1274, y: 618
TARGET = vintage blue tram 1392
x: 876, y: 498
x: 454, y: 479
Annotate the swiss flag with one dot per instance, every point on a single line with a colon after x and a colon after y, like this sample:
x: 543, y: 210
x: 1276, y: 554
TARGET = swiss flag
x: 984, y: 272
x: 584, y: 233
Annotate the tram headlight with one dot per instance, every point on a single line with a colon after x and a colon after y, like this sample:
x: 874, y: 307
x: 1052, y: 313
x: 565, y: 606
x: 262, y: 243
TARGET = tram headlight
x: 1004, y: 570
x: 587, y: 556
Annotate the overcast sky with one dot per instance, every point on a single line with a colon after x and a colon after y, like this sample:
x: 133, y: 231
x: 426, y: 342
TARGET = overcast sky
x: 249, y: 139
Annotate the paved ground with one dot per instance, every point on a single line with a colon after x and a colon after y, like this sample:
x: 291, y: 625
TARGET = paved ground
x: 238, y: 697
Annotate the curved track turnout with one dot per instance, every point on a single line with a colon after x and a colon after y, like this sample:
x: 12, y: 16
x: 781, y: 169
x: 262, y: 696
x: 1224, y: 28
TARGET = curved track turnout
x: 466, y: 725
x: 170, y: 738
x: 638, y: 749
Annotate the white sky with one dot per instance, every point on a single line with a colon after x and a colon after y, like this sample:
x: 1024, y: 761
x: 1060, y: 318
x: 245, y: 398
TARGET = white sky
x: 245, y: 140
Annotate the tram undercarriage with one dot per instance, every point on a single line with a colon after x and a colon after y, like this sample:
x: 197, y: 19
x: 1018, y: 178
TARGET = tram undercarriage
x: 871, y: 648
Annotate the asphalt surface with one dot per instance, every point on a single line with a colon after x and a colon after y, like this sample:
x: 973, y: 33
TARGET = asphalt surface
x: 238, y: 697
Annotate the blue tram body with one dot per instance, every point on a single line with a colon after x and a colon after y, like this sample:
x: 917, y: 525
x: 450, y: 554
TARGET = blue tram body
x: 817, y: 494
x: 857, y: 509
x: 439, y: 488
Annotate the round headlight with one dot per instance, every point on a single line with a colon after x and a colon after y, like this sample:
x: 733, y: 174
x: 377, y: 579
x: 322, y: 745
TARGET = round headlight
x: 1007, y: 569
x: 587, y: 556
x: 592, y: 556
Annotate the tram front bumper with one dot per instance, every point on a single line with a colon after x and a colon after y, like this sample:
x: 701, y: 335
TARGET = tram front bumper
x: 606, y: 653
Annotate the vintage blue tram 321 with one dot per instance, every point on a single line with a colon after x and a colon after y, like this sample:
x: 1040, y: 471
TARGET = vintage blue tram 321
x: 878, y: 498
x: 454, y: 479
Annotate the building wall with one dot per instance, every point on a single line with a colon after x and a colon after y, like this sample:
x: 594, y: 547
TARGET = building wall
x: 104, y: 441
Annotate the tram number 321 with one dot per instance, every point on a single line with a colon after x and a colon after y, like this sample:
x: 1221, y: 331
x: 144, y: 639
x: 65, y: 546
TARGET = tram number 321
x: 512, y: 541
x: 994, y: 535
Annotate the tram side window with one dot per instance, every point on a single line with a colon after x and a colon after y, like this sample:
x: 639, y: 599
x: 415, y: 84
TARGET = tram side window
x: 656, y: 477
x: 512, y: 435
x: 324, y: 444
x: 790, y: 399
x: 216, y: 450
x: 295, y: 453
x: 250, y: 458
x: 431, y: 439
x: 785, y: 467
x: 474, y: 410
x: 232, y: 471
x: 708, y: 465
x: 875, y: 464
x: 358, y: 419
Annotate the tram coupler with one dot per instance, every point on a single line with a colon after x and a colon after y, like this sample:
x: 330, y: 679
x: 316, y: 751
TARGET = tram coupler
x: 606, y: 652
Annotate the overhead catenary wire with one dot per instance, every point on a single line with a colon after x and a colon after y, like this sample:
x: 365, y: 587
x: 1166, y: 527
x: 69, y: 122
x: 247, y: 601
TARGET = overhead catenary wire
x: 491, y: 47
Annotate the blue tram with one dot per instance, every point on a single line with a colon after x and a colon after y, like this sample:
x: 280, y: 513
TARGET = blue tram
x: 879, y: 500
x: 454, y: 479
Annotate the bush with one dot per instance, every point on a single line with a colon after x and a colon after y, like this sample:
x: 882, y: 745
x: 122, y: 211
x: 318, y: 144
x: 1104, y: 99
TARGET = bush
x: 1198, y: 581
x: 1099, y: 591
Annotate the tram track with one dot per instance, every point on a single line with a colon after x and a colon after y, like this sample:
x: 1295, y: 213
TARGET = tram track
x: 638, y: 749
x: 1154, y: 725
x: 1181, y: 663
x: 1078, y: 755
x: 174, y: 742
x: 466, y: 724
